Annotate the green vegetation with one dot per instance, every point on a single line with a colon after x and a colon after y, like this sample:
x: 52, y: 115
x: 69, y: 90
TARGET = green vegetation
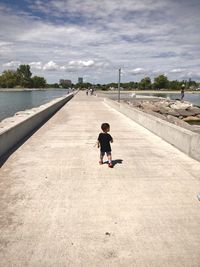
x: 22, y: 78
x: 160, y: 82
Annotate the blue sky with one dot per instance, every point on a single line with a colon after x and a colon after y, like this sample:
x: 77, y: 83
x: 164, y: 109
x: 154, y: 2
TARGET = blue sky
x: 67, y: 39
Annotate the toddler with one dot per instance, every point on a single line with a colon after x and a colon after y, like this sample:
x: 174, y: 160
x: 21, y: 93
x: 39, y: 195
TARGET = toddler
x: 104, y: 140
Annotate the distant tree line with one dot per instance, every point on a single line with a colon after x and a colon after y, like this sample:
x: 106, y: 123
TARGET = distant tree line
x: 160, y: 82
x: 22, y: 77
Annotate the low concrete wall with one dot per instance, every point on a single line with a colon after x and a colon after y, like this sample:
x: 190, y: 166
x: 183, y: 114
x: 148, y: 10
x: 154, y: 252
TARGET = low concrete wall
x: 183, y: 139
x: 15, y: 128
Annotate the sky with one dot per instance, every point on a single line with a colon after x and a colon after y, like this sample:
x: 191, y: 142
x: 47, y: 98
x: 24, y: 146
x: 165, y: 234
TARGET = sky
x: 67, y: 39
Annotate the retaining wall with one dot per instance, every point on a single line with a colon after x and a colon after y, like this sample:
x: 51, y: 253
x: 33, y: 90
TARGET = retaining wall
x: 183, y: 139
x: 15, y: 128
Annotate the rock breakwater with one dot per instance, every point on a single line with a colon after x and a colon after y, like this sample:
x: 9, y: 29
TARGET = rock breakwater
x: 183, y: 114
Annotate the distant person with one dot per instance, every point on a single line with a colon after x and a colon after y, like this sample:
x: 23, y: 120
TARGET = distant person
x: 103, y: 141
x: 87, y: 92
x: 182, y: 92
x: 91, y: 91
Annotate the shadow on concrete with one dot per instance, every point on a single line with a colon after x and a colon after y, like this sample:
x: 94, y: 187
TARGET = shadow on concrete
x: 117, y: 161
x: 114, y: 162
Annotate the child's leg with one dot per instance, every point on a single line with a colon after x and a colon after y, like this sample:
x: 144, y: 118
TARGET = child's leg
x: 109, y: 157
x: 101, y: 157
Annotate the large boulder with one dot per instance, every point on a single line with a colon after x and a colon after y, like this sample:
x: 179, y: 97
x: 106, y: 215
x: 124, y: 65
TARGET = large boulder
x: 194, y: 110
x: 181, y: 105
x: 149, y: 106
x: 192, y: 119
x: 163, y: 103
x: 164, y: 110
x: 173, y: 112
x: 185, y: 112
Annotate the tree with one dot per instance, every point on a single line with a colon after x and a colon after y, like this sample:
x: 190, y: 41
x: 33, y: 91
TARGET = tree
x: 38, y: 82
x: 9, y: 79
x: 161, y: 81
x: 52, y: 85
x: 191, y: 84
x: 83, y: 85
x: 145, y: 83
x: 174, y: 85
x: 25, y: 76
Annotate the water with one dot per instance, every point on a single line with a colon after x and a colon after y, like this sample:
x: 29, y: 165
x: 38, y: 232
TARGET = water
x: 193, y: 98
x: 12, y: 102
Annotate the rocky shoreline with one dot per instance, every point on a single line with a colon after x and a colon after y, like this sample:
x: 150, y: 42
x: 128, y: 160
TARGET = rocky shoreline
x: 183, y: 114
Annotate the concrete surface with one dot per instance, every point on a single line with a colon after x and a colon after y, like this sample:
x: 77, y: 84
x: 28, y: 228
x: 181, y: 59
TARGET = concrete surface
x: 183, y: 139
x: 59, y: 207
x: 15, y: 128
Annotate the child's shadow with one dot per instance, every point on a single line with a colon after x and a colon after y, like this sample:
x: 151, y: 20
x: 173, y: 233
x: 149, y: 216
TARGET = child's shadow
x: 116, y: 161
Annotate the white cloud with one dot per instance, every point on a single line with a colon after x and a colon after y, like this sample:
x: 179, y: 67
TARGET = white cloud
x: 36, y: 65
x: 177, y: 70
x: 84, y: 65
x: 81, y: 63
x: 137, y: 71
x: 51, y: 66
x: 12, y: 64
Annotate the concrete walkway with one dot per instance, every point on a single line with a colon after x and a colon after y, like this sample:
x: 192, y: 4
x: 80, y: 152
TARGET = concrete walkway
x: 58, y: 207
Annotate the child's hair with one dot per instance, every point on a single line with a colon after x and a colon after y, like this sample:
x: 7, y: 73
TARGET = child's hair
x: 105, y: 126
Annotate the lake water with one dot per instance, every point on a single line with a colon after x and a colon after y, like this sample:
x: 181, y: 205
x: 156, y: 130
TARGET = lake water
x: 12, y: 102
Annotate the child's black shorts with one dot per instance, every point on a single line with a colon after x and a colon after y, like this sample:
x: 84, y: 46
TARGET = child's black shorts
x: 102, y: 153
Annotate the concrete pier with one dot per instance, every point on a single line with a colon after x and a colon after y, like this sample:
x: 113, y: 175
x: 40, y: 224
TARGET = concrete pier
x: 59, y: 207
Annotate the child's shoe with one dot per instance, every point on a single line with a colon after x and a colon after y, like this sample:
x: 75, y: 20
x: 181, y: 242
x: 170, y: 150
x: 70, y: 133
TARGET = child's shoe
x: 110, y: 165
x: 101, y: 162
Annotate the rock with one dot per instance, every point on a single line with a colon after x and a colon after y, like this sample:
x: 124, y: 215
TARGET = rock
x: 173, y: 112
x: 164, y: 110
x: 184, y: 112
x: 192, y: 119
x: 180, y: 105
x: 162, y: 104
x: 194, y: 110
x: 150, y: 106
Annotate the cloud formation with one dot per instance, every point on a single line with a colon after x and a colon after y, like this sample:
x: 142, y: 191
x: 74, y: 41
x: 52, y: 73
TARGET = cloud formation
x: 12, y: 64
x: 89, y: 38
x: 137, y: 71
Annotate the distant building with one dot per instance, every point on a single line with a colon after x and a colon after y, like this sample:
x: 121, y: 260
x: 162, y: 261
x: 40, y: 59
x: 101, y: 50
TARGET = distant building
x: 80, y: 80
x: 65, y: 83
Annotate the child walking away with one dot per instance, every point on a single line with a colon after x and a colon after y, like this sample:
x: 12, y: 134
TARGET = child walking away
x: 104, y: 140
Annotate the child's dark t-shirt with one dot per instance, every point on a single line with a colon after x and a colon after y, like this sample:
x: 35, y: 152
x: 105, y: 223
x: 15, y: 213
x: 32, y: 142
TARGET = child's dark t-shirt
x: 104, y: 140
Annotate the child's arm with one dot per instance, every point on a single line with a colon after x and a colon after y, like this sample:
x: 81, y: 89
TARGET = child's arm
x: 98, y: 144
